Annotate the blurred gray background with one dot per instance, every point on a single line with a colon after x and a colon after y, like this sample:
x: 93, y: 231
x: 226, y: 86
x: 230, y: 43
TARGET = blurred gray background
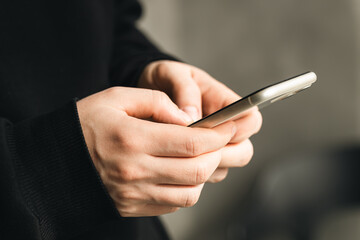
x: 249, y: 44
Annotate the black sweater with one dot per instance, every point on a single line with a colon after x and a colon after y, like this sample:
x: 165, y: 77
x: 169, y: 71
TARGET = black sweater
x: 50, y: 53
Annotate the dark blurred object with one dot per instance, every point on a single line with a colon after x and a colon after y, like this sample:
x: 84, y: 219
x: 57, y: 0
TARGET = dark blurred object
x: 291, y: 198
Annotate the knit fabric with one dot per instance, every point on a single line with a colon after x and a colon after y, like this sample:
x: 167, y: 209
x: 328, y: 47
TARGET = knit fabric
x: 50, y: 53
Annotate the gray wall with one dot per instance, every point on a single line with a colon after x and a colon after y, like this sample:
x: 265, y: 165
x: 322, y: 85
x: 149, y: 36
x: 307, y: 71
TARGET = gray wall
x: 248, y: 44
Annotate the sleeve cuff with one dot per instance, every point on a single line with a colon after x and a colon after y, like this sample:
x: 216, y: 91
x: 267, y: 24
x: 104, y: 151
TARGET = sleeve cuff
x: 56, y: 175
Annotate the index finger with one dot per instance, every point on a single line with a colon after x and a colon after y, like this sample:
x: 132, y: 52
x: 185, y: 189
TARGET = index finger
x: 215, y: 95
x: 170, y: 140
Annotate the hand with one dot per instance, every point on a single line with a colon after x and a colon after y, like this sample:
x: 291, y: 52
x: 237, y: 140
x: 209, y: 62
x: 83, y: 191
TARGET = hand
x: 198, y: 94
x: 149, y: 168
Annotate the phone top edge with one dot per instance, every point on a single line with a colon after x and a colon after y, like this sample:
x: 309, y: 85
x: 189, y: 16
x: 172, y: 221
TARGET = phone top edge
x: 293, y: 84
x: 261, y: 96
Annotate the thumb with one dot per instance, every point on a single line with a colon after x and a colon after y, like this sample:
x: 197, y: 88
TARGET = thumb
x: 176, y: 79
x: 187, y: 96
x: 152, y: 104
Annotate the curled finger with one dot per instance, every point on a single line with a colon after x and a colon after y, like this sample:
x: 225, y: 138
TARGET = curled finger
x: 219, y: 175
x: 237, y: 154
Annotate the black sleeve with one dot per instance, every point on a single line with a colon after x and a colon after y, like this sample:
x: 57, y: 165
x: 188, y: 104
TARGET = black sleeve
x: 49, y: 187
x: 132, y: 50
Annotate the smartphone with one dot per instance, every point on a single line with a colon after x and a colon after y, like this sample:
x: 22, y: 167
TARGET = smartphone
x: 260, y: 98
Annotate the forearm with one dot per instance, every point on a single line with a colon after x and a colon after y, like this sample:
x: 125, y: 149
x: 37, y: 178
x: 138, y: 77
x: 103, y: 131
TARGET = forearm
x: 48, y: 183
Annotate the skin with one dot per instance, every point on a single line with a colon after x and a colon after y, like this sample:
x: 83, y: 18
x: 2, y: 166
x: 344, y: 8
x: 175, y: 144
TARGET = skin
x: 198, y: 94
x: 149, y: 161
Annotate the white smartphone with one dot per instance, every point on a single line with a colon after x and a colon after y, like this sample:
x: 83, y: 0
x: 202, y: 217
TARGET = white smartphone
x: 260, y: 98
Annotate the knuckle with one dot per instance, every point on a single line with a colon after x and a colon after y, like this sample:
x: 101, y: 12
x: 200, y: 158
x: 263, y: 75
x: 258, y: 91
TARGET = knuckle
x: 119, y: 139
x: 193, y: 146
x: 162, y: 69
x: 201, y: 173
x: 125, y: 143
x: 190, y: 200
x: 128, y: 174
x: 159, y: 97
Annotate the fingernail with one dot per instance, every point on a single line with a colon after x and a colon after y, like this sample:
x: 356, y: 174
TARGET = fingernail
x: 192, y: 112
x: 233, y: 131
x: 186, y: 117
